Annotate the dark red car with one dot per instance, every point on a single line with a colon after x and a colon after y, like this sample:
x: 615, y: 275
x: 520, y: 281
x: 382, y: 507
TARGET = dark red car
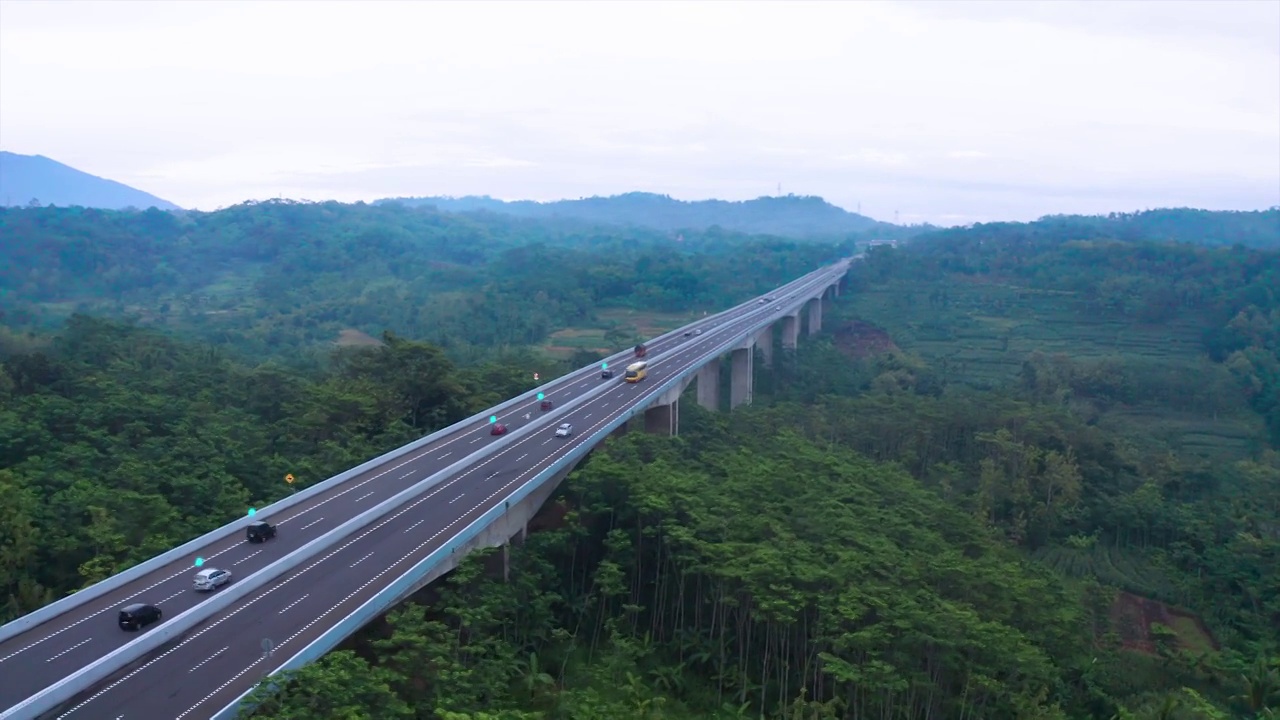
x: 498, y: 429
x: 547, y: 405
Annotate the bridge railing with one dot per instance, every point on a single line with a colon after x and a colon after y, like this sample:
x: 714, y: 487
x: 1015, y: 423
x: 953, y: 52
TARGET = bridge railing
x: 385, y: 599
x: 63, y: 691
x: 113, y: 583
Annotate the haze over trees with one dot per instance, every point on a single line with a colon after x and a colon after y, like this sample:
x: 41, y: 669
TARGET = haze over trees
x: 789, y: 216
x: 285, y: 279
x: 1029, y: 470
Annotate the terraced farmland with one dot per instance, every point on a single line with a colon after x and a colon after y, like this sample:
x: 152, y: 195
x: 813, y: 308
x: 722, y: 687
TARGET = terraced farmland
x: 982, y: 333
x: 986, y: 331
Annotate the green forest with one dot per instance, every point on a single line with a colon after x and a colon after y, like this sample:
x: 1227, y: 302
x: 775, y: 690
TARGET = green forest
x: 1026, y: 471
x: 285, y: 280
x: 799, y: 217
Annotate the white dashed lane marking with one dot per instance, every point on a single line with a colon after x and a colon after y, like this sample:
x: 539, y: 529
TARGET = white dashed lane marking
x: 202, y: 662
x: 165, y: 600
x: 219, y: 689
x: 313, y: 522
x: 366, y: 557
x: 457, y: 498
x: 565, y: 448
x: 64, y: 652
x: 106, y: 610
x: 244, y: 558
x: 295, y: 602
x: 364, y: 496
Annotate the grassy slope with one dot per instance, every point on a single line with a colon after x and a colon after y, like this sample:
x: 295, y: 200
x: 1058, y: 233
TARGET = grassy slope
x: 987, y: 330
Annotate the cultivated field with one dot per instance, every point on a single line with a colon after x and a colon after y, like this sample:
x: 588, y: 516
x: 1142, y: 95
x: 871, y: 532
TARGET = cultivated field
x: 982, y: 333
x: 614, y: 329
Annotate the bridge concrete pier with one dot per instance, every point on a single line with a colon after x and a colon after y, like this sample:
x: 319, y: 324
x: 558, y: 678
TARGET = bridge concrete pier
x: 663, y: 419
x: 764, y: 341
x: 815, y: 316
x: 663, y: 416
x: 511, y: 526
x: 741, y: 376
x: 709, y: 385
x: 619, y: 431
x: 790, y: 331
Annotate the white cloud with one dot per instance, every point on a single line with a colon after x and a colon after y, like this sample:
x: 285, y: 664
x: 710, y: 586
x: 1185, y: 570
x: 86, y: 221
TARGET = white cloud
x: 938, y: 110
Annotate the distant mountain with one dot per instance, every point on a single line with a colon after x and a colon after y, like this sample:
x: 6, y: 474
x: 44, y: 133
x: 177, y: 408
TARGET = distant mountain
x: 1258, y: 229
x: 790, y: 216
x: 24, y: 178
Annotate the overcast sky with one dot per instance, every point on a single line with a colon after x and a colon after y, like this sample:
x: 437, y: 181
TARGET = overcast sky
x: 948, y: 112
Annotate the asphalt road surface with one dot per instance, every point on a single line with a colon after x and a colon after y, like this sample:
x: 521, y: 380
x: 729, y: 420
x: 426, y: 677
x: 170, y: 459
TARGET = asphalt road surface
x: 48, y: 652
x: 224, y: 657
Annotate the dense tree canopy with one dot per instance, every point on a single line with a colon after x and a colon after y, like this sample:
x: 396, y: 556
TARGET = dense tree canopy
x: 1029, y: 471
x: 283, y: 279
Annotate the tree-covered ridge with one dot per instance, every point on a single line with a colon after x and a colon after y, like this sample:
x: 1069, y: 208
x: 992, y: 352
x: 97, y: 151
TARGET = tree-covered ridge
x: 1026, y: 484
x: 1249, y: 228
x: 1233, y: 294
x: 731, y: 573
x: 790, y: 216
x: 283, y: 279
x: 117, y: 443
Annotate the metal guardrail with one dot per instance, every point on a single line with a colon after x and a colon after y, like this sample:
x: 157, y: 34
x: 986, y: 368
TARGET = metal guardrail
x: 387, y: 597
x: 64, y: 690
x: 115, y: 582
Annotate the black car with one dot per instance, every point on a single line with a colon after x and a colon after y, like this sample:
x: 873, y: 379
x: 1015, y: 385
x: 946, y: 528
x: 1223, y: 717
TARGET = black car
x: 138, y: 615
x: 606, y: 374
x: 260, y: 532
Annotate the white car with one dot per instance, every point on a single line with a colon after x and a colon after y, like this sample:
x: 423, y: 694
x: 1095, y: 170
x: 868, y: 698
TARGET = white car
x: 211, y: 578
x: 565, y: 430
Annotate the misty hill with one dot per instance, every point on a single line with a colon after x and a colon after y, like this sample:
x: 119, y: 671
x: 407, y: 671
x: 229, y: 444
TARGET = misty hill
x: 1250, y: 228
x: 1214, y: 228
x: 24, y: 178
x: 791, y: 216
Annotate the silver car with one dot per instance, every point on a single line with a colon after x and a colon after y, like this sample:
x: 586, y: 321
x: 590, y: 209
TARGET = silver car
x: 212, y: 578
x: 565, y: 430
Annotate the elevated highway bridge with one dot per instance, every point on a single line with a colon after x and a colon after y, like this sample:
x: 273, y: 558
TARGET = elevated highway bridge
x: 353, y: 546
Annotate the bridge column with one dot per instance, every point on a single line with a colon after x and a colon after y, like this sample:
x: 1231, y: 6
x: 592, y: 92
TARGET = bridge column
x: 835, y: 289
x: 709, y: 385
x: 815, y: 316
x: 740, y: 379
x: 663, y: 419
x: 790, y: 331
x: 619, y: 431
x: 764, y: 341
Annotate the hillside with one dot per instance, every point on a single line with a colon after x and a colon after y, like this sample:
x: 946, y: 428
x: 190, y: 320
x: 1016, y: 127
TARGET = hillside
x: 1251, y: 228
x: 24, y: 178
x: 283, y: 278
x: 790, y: 216
x: 959, y: 487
